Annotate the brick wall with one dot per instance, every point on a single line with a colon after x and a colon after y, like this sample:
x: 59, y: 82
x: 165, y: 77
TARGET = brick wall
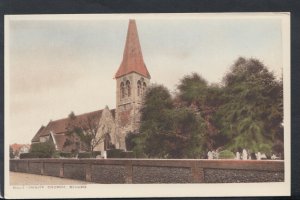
x: 154, y: 170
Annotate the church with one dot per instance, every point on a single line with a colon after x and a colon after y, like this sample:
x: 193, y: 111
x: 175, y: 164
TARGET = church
x: 110, y: 126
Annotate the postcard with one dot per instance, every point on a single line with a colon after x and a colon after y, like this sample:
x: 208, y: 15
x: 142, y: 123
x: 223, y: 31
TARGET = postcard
x: 147, y: 105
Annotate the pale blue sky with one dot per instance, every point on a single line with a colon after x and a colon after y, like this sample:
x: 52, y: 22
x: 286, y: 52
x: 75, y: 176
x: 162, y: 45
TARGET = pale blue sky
x: 59, y: 66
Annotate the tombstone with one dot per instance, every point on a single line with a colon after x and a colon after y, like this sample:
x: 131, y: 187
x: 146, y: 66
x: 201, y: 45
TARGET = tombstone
x: 245, y: 155
x: 258, y: 156
x: 217, y: 154
x: 213, y: 155
x: 273, y: 157
x: 238, y: 156
x: 210, y: 155
x: 103, y: 154
x: 263, y: 156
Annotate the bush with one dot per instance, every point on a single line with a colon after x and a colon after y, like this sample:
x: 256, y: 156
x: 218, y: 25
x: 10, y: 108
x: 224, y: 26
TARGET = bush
x: 26, y: 155
x: 85, y: 155
x: 96, y: 153
x: 127, y: 154
x: 43, y: 149
x: 226, y: 154
x: 114, y: 153
x: 66, y: 155
x: 89, y: 154
x: 33, y: 155
x: 129, y: 140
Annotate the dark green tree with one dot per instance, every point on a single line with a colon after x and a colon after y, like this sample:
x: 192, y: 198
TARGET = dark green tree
x: 168, y: 131
x: 252, y: 110
x: 194, y: 92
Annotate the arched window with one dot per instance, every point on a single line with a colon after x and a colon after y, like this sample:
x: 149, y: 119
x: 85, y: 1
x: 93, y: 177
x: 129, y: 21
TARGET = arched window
x: 139, y: 87
x: 122, y: 89
x: 107, y: 141
x: 128, y: 88
x: 144, y: 87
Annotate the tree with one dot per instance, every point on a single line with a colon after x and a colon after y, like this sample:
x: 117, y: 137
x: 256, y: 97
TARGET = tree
x: 11, y: 152
x: 194, y: 92
x: 168, y: 131
x: 252, y: 112
x: 89, y: 131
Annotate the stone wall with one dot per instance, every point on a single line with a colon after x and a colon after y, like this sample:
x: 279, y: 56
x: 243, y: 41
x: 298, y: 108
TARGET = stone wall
x: 154, y: 170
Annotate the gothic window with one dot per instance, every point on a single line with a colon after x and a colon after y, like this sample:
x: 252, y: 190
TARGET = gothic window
x: 128, y: 88
x: 122, y: 90
x: 144, y: 87
x: 107, y: 141
x: 139, y: 86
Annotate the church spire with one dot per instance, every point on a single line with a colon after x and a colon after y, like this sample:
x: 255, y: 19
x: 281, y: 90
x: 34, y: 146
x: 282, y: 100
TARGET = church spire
x: 132, y: 57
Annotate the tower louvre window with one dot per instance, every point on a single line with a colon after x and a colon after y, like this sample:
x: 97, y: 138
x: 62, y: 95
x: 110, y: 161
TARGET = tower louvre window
x: 144, y: 87
x: 122, y: 90
x: 139, y: 86
x: 128, y: 88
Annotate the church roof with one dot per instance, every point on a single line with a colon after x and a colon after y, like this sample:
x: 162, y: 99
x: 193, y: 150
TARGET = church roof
x: 132, y: 57
x: 61, y: 125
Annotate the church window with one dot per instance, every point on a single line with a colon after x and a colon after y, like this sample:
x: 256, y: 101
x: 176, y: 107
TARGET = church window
x: 144, y: 87
x: 139, y: 86
x: 122, y: 90
x: 128, y: 88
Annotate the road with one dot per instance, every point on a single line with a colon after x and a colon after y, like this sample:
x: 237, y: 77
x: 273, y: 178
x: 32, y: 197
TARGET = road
x: 17, y: 178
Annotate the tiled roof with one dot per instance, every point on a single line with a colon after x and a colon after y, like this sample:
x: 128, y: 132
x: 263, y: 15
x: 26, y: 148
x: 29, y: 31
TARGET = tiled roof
x: 36, y: 138
x: 61, y: 125
x: 17, y: 147
x: 132, y: 57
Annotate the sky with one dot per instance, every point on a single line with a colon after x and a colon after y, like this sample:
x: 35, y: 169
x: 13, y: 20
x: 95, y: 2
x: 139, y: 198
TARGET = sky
x: 58, y: 64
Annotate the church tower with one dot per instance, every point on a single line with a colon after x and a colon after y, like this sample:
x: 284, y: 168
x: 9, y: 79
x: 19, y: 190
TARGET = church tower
x: 132, y: 79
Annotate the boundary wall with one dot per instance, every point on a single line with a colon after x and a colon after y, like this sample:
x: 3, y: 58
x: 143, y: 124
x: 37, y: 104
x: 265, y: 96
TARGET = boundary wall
x: 113, y: 171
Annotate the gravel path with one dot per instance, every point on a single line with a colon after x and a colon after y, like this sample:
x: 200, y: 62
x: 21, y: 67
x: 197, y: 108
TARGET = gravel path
x: 17, y: 178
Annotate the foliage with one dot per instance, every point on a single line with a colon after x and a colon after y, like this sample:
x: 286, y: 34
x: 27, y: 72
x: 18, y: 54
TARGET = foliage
x: 129, y: 140
x: 194, y: 92
x: 66, y: 154
x: 42, y: 150
x: 226, y: 154
x: 168, y: 131
x: 11, y: 153
x: 245, y: 112
x: 252, y: 112
x: 114, y: 153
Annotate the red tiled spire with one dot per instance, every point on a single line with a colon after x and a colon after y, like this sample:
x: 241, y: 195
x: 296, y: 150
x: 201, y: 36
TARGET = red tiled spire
x: 132, y: 57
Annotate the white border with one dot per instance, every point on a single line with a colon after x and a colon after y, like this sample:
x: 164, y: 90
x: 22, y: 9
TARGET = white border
x: 159, y: 190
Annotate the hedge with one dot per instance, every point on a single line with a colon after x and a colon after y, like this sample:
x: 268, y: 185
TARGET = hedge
x: 226, y: 154
x: 114, y: 153
x: 89, y: 154
x: 33, y: 155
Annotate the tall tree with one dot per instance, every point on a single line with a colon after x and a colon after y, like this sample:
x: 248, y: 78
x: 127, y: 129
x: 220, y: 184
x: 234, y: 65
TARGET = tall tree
x: 194, y: 92
x: 252, y: 112
x: 168, y: 131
